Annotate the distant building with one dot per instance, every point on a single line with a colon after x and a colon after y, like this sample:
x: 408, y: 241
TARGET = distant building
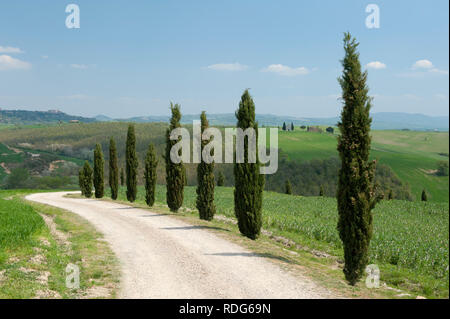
x: 74, y: 121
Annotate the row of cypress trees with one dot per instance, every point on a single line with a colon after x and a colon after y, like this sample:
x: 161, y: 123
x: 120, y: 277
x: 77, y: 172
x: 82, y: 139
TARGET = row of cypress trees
x: 356, y: 196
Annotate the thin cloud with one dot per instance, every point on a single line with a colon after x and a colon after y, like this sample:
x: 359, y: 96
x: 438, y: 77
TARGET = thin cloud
x: 377, y: 65
x: 10, y: 50
x: 286, y: 70
x: 79, y: 66
x: 422, y: 64
x: 227, y: 67
x: 9, y: 63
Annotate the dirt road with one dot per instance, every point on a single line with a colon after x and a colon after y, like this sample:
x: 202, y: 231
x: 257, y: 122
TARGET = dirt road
x: 162, y: 257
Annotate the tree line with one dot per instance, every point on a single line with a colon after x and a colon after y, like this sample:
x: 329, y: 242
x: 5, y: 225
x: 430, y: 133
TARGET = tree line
x: 357, y: 192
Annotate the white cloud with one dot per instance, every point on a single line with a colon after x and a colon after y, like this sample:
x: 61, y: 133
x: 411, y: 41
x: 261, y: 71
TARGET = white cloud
x: 9, y: 63
x: 442, y: 97
x: 227, y: 67
x: 422, y: 64
x: 285, y: 70
x: 10, y: 50
x: 44, y: 56
x: 435, y: 70
x: 79, y: 66
x: 377, y: 65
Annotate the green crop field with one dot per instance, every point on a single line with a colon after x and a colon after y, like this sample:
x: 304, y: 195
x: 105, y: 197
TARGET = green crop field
x: 411, y: 239
x: 412, y: 155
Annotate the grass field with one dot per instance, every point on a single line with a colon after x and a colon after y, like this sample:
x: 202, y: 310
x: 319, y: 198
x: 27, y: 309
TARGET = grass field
x: 410, y: 242
x: 33, y: 259
x: 412, y: 155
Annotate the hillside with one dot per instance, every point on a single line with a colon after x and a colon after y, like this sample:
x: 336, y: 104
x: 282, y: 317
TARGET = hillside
x: 20, y: 117
x: 407, y: 159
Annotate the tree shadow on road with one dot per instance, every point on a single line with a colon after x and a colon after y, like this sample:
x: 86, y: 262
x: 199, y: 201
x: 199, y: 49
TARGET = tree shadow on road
x: 262, y: 255
x: 195, y: 227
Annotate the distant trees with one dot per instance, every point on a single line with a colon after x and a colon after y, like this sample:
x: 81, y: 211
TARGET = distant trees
x: 150, y: 175
x: 355, y: 195
x: 131, y: 164
x: 292, y: 126
x: 81, y: 181
x: 288, y: 186
x: 249, y: 183
x: 330, y: 130
x: 321, y: 192
x: 205, y: 180
x: 220, y: 179
x: 99, y: 163
x: 284, y: 126
x: 442, y: 169
x: 87, y: 180
x: 175, y: 172
x: 390, y: 194
x: 113, y: 169
x: 122, y: 177
x: 424, y: 196
x: 303, y: 127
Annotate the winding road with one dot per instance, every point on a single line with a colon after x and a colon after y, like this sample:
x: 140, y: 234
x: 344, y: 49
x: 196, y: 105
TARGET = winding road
x: 163, y: 257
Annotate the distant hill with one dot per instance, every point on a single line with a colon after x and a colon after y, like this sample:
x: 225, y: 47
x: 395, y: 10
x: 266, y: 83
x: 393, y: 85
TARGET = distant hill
x: 381, y: 121
x: 20, y: 117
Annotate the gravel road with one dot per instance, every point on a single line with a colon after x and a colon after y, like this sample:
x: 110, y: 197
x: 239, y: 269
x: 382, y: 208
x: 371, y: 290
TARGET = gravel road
x: 163, y: 257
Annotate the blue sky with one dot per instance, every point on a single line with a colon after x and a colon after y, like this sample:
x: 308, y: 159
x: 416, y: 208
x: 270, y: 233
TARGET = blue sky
x: 132, y: 58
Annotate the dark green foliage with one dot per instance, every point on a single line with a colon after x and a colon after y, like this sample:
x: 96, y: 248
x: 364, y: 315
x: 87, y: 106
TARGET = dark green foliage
x: 113, y: 169
x: 390, y: 195
x: 122, y: 177
x: 292, y: 126
x: 18, y: 178
x: 150, y: 175
x: 288, y: 187
x: 284, y: 126
x: 205, y: 179
x: 99, y: 164
x: 424, y: 196
x: 321, y: 193
x: 220, y: 179
x: 356, y: 191
x: 330, y: 130
x: 81, y: 181
x: 175, y: 172
x: 249, y: 183
x: 87, y: 174
x: 442, y: 169
x: 131, y: 164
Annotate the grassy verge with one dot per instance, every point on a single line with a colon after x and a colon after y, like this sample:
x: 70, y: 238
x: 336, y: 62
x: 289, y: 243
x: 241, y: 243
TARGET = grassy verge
x: 37, y: 242
x: 410, y: 244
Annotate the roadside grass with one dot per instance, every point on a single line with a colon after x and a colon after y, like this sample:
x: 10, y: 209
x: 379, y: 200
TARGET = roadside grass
x: 34, y: 254
x: 410, y: 243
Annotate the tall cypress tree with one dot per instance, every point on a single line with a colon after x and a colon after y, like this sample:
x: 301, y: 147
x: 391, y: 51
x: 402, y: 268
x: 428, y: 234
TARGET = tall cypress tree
x: 122, y: 177
x: 284, y: 126
x: 288, y: 187
x: 113, y: 169
x: 292, y: 126
x: 249, y: 183
x: 356, y: 191
x: 81, y: 180
x: 220, y: 179
x: 175, y: 173
x: 205, y: 179
x: 321, y: 192
x: 131, y: 164
x: 87, y: 178
x: 424, y: 196
x: 150, y: 175
x: 99, y: 163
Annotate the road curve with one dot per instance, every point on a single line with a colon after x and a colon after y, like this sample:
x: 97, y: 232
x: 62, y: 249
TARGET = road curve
x: 163, y: 257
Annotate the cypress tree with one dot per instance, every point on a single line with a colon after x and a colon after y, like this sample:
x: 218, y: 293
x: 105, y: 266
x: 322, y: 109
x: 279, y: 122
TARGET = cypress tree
x: 131, y: 164
x: 175, y: 173
x: 284, y: 126
x: 150, y: 175
x: 321, y: 191
x: 390, y: 195
x: 220, y: 179
x: 424, y: 196
x: 99, y: 163
x: 356, y: 191
x: 122, y: 177
x: 81, y: 181
x: 288, y: 187
x: 113, y: 169
x: 205, y: 180
x: 249, y: 183
x: 87, y: 178
x: 292, y: 126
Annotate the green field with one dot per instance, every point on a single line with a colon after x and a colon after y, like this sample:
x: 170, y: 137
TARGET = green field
x: 412, y: 155
x: 410, y: 241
